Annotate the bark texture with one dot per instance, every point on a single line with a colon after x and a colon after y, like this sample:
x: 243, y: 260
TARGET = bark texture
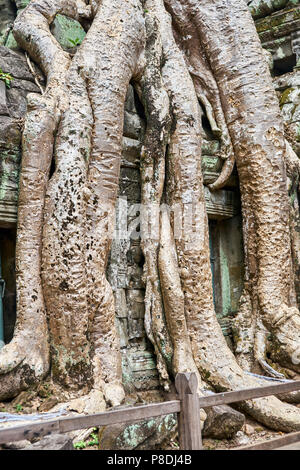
x: 179, y: 67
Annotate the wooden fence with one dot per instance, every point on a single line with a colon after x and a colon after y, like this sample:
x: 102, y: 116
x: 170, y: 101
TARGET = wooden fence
x: 187, y: 406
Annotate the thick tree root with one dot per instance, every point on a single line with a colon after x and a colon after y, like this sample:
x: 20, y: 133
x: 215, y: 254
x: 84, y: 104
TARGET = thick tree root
x: 214, y: 360
x: 28, y: 352
x: 63, y: 254
x: 251, y: 335
x: 189, y: 40
x: 255, y: 136
x: 78, y: 298
x: 157, y: 108
x: 84, y: 187
x: 87, y: 97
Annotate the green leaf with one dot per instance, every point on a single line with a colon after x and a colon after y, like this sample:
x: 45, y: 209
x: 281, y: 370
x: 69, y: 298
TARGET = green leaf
x: 75, y: 42
x: 19, y: 407
x: 6, y: 78
x: 79, y: 445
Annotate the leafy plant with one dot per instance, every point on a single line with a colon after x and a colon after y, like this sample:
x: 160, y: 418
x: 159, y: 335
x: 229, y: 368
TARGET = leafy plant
x: 19, y: 407
x: 74, y: 42
x: 94, y: 441
x: 6, y: 78
x: 79, y: 445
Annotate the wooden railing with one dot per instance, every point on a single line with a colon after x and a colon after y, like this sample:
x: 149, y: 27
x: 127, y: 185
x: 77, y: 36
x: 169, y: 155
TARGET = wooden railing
x: 187, y: 407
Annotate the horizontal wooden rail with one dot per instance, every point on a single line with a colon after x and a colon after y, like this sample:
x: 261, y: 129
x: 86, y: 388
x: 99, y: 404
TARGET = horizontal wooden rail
x: 248, y: 393
x: 187, y: 406
x: 62, y: 425
x: 273, y: 443
x: 126, y: 415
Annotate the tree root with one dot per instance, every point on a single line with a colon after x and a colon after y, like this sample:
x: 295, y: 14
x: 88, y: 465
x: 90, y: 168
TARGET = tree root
x: 156, y: 104
x: 28, y: 353
x: 82, y: 174
x: 87, y: 97
x: 211, y: 354
x: 188, y: 39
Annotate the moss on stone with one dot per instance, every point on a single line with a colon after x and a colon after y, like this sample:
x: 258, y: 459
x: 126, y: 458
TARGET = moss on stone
x: 11, y: 42
x: 285, y: 96
x: 68, y: 32
x: 272, y: 22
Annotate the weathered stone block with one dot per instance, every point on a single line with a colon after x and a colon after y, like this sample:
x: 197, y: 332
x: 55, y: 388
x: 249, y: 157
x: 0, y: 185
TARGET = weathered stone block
x: 68, y: 32
x: 210, y: 147
x: 52, y: 442
x: 262, y: 8
x: 222, y: 422
x: 48, y: 404
x: 16, y: 99
x: 221, y: 204
x: 135, y: 255
x: 280, y: 24
x: 130, y: 184
x: 130, y: 101
x: 136, y: 328
x: 279, y: 35
x: 147, y: 434
x: 133, y: 125
x: 136, y: 305
x: 7, y: 17
x: 141, y: 361
x: 15, y: 64
x: 131, y: 152
x: 121, y: 304
x: 10, y: 156
x: 135, y: 274
x: 122, y: 324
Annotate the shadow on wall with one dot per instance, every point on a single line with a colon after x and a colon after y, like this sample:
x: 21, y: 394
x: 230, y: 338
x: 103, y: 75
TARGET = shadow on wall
x: 7, y: 250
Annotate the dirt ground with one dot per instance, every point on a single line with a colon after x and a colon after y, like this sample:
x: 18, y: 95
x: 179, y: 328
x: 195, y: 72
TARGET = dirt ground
x: 44, y: 399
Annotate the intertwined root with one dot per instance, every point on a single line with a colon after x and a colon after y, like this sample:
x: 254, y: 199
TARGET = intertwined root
x: 28, y: 352
x: 273, y: 335
x: 23, y: 362
x: 209, y: 350
x: 77, y: 227
x: 26, y: 360
x: 86, y: 99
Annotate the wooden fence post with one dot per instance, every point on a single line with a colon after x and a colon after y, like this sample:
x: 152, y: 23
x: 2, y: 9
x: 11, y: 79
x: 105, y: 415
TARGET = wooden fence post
x: 189, y: 426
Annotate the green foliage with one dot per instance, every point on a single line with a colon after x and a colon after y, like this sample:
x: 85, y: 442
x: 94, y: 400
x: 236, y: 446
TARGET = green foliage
x: 74, y: 42
x: 19, y: 407
x: 6, y: 78
x: 79, y: 445
x: 93, y: 442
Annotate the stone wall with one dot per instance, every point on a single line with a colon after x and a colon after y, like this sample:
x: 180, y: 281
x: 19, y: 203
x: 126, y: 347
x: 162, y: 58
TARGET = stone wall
x: 279, y: 33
